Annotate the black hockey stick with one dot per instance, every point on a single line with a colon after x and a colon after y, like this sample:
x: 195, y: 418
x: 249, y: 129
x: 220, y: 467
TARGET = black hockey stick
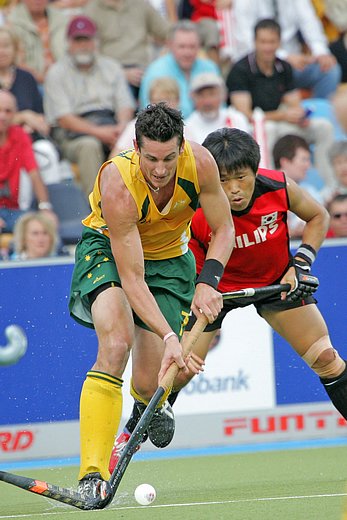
x: 65, y: 495
x: 73, y: 498
x: 141, y: 427
x: 269, y: 290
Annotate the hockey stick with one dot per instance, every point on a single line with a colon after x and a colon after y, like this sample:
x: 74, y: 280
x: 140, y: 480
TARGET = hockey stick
x: 73, y: 498
x: 269, y: 290
x: 141, y: 427
x: 65, y: 495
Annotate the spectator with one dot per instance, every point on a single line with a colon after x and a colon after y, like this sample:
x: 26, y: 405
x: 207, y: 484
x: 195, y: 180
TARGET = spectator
x: 125, y: 30
x: 291, y: 154
x: 35, y: 236
x: 88, y: 100
x: 162, y: 89
x: 70, y: 8
x: 236, y: 26
x: 165, y: 89
x: 204, y: 14
x: 5, y: 8
x: 263, y: 81
x: 181, y: 63
x: 29, y: 113
x: 338, y: 158
x: 339, y: 103
x: 315, y: 69
x: 333, y: 16
x: 339, y: 49
x: 16, y: 153
x: 209, y: 95
x: 41, y: 30
x: 337, y: 208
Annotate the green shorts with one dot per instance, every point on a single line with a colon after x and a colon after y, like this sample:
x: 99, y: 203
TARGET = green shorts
x: 171, y: 281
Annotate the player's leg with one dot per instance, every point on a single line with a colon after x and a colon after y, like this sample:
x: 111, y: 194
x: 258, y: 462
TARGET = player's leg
x: 173, y: 295
x: 201, y: 348
x: 101, y: 396
x: 96, y: 300
x: 146, y: 358
x: 305, y: 330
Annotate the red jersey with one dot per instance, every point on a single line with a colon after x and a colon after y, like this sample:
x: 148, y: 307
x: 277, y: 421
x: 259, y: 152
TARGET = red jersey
x: 15, y: 154
x: 261, y: 253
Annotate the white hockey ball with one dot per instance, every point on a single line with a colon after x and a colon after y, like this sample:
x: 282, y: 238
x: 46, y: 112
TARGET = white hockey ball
x: 145, y: 494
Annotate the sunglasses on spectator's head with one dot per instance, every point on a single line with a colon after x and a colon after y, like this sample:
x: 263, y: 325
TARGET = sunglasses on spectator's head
x: 339, y: 215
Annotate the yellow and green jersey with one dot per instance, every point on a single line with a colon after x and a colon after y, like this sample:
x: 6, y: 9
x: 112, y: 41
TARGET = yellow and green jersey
x: 166, y: 233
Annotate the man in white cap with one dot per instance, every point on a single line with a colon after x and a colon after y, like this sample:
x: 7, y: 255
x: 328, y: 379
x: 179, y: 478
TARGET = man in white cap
x: 208, y: 92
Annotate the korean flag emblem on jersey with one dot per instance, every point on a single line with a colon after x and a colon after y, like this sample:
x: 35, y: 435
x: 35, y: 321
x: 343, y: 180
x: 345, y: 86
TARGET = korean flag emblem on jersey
x: 266, y: 220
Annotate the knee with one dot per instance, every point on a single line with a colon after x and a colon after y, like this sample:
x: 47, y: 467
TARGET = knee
x: 335, y: 73
x: 88, y: 146
x: 324, y: 360
x: 113, y: 354
x: 145, y: 387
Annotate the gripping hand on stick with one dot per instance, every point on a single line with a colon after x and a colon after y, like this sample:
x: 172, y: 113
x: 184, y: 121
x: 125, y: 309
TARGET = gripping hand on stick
x: 302, y: 282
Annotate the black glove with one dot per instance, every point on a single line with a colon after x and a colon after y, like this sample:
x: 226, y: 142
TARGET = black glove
x: 306, y: 283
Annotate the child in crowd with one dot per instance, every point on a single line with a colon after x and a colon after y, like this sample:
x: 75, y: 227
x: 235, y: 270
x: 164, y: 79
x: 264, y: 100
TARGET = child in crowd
x: 338, y: 158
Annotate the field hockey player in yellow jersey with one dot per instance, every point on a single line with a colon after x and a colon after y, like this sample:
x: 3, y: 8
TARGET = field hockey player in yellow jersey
x: 134, y: 277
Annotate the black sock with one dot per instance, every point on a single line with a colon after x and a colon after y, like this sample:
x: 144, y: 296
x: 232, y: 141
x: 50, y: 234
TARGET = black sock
x: 173, y: 396
x: 133, y: 419
x: 336, y: 389
x: 135, y: 414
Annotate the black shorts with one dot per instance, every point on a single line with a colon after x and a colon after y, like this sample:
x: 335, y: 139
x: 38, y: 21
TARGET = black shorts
x: 270, y: 303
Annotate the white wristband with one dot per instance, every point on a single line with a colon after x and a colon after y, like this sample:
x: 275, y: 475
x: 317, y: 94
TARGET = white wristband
x: 169, y: 335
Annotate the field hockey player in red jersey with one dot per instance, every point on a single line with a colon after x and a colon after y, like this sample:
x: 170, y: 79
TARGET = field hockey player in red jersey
x: 259, y: 200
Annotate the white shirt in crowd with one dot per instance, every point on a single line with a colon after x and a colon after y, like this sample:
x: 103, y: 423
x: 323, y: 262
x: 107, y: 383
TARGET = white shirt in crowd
x: 198, y: 126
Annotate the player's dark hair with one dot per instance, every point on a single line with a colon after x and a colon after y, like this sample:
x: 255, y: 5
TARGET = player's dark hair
x: 159, y: 122
x: 233, y: 150
x: 267, y: 23
x: 286, y: 148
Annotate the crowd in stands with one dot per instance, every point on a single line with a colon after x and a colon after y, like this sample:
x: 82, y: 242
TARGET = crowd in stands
x: 73, y: 74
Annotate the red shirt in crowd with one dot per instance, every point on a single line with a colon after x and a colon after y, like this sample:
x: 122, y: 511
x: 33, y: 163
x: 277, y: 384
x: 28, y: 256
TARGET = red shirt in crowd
x: 203, y: 10
x: 15, y: 154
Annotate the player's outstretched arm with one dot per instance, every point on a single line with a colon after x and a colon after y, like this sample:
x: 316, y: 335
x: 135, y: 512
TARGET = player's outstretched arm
x: 309, y: 210
x: 316, y: 225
